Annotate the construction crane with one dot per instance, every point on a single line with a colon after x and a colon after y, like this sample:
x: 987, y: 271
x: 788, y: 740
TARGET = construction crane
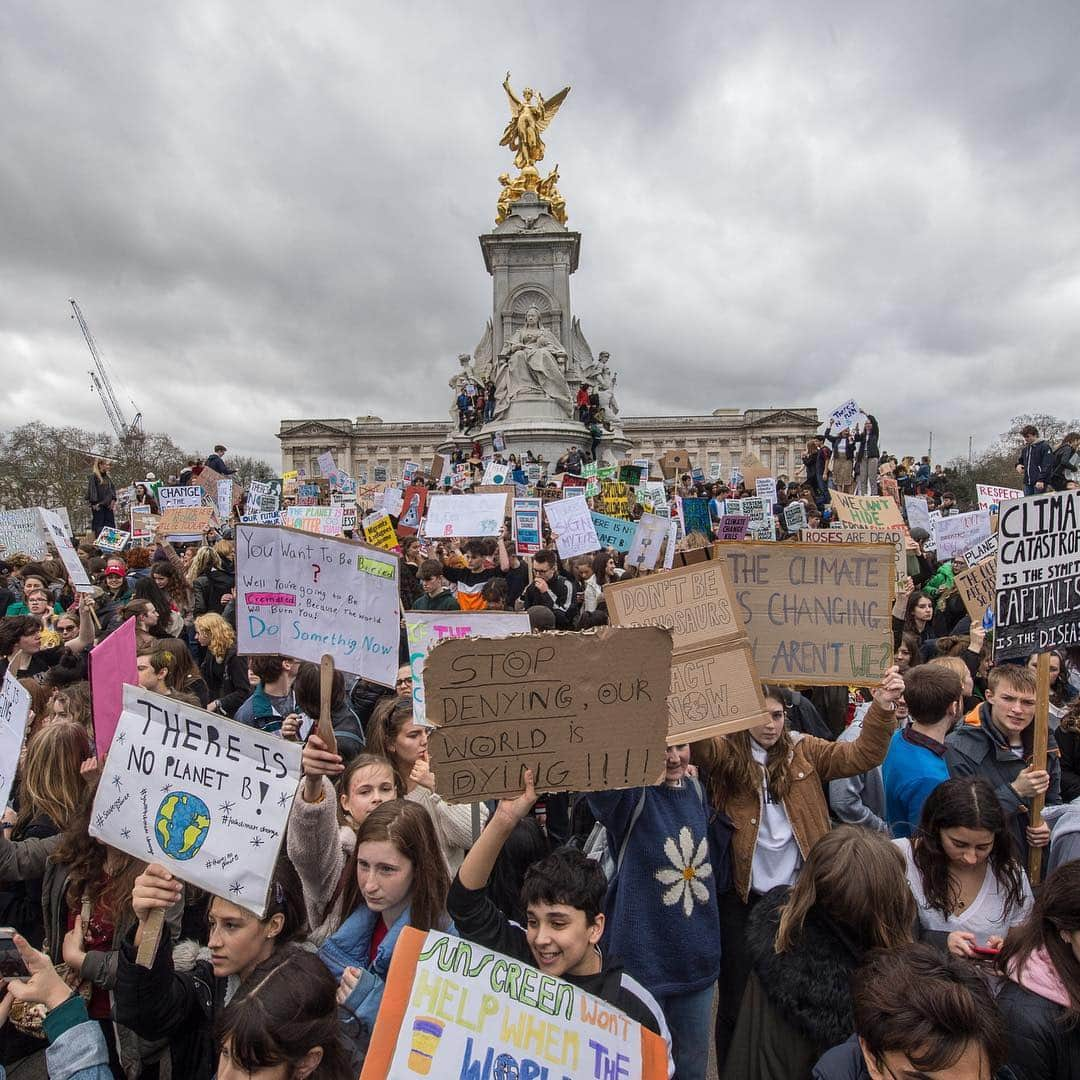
x: 100, y: 381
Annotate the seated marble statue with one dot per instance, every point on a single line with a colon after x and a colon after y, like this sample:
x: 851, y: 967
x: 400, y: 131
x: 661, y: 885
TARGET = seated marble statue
x: 531, y: 365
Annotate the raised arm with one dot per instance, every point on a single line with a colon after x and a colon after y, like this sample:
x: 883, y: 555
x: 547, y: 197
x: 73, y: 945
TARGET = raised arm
x: 480, y: 859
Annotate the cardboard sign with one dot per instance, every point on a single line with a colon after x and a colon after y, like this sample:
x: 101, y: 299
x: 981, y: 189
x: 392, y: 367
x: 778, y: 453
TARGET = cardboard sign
x: 170, y: 498
x: 413, y: 508
x: 209, y: 480
x: 896, y: 537
x: 674, y: 461
x: 614, y: 532
x: 696, y: 516
x: 866, y: 511
x: 984, y: 549
x: 112, y: 665
x: 14, y: 712
x: 732, y: 527
x: 68, y: 556
x: 302, y: 595
x: 465, y: 515
x: 528, y: 535
x: 199, y: 793
x: 991, y: 496
x: 552, y: 703
x: 572, y: 526
x: 890, y: 488
x: 425, y: 629
x: 379, y: 530
x: 714, y: 692
x: 112, y: 539
x: 649, y: 536
x: 751, y: 471
x: 795, y: 517
x: 455, y: 1009
x: 845, y: 416
x: 1037, y: 601
x: 186, y: 522
x: 918, y: 512
x: 976, y: 588
x: 958, y: 532
x: 323, y: 520
x: 815, y: 616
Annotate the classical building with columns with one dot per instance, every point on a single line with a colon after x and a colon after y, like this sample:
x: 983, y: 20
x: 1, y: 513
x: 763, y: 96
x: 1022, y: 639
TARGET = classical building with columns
x: 776, y: 436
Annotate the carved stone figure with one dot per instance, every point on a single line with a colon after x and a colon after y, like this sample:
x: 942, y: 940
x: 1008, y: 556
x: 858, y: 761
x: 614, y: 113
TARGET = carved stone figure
x: 466, y: 377
x: 531, y: 365
x: 605, y: 391
x: 528, y: 121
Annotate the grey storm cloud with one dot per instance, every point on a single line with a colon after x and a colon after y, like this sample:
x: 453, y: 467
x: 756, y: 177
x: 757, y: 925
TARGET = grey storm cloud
x: 270, y: 210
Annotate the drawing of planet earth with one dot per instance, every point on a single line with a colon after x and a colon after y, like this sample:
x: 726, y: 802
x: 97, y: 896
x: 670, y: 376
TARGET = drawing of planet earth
x: 181, y: 825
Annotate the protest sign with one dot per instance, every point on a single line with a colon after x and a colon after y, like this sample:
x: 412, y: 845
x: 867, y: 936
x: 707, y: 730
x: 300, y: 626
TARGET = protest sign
x: 393, y: 501
x: 302, y: 595
x: 714, y: 691
x: 845, y: 416
x: 112, y: 539
x: 379, y: 530
x: 223, y: 497
x: 551, y: 703
x: 890, y: 488
x: 208, y: 479
x: 795, y: 516
x: 452, y: 1008
x: 62, y: 514
x: 896, y: 537
x: 465, y: 515
x: 614, y: 532
x: 674, y: 461
x: 976, y: 588
x: 409, y: 469
x: 572, y: 526
x: 714, y: 470
x: 732, y: 526
x: 956, y: 533
x: 20, y: 532
x: 751, y: 470
x: 991, y: 496
x: 753, y: 507
x: 765, y: 489
x: 671, y: 541
x: 185, y: 522
x: 68, y: 556
x: 203, y: 795
x: 696, y: 516
x: 614, y: 499
x: 141, y: 528
x: 649, y: 535
x: 380, y: 474
x: 918, y: 512
x: 327, y: 465
x: 534, y: 472
x: 652, y: 497
x: 866, y: 511
x: 632, y: 475
x: 528, y: 536
x: 984, y: 549
x: 440, y: 467
x: 425, y: 629
x: 324, y: 520
x: 507, y: 491
x: 112, y: 664
x: 644, y: 466
x: 815, y: 616
x: 762, y: 530
x: 272, y: 517
x: 14, y: 712
x: 414, y: 503
x: 1037, y: 601
x: 496, y: 472
x: 171, y: 497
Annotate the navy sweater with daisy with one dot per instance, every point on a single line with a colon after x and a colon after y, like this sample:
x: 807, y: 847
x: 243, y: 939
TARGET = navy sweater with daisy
x: 662, y: 920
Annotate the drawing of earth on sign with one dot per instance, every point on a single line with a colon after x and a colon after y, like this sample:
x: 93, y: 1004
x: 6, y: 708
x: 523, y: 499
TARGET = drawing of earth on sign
x: 181, y: 825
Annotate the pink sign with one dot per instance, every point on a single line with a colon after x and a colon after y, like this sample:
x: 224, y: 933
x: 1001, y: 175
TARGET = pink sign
x: 112, y: 663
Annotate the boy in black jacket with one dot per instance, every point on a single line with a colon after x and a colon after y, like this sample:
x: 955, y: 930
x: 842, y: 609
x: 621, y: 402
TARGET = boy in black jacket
x: 563, y: 895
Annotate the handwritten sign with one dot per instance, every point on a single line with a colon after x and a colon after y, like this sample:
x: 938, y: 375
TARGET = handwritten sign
x: 14, y: 712
x: 223, y: 497
x: 112, y: 664
x: 845, y: 416
x: 20, y: 531
x: 795, y: 516
x: 815, y: 616
x: 866, y: 511
x: 379, y: 530
x: 614, y: 532
x: 765, y: 489
x: 425, y: 629
x: 76, y: 571
x: 714, y: 691
x: 918, y: 512
x: 303, y: 595
x: 649, y: 536
x: 1037, y: 601
x: 976, y: 588
x: 991, y: 496
x: 572, y: 526
x: 324, y: 520
x: 413, y: 507
x: 205, y: 796
x: 958, y: 532
x: 112, y: 539
x: 984, y: 549
x: 550, y: 703
x: 452, y: 1008
x: 175, y: 497
x: 732, y: 526
x: 528, y: 537
x: 696, y: 516
x: 186, y: 522
x: 465, y: 515
x: 614, y: 498
x: 896, y: 537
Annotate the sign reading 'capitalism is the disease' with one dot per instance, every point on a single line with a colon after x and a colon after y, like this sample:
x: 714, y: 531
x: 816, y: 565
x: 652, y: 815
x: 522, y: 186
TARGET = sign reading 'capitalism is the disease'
x: 206, y: 797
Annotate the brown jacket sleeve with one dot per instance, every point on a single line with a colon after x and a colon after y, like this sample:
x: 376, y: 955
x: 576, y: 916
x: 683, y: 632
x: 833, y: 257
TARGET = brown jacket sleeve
x: 834, y: 760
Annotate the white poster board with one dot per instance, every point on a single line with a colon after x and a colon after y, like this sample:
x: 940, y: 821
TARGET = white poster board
x: 572, y: 526
x: 14, y: 712
x: 303, y: 595
x: 76, y: 571
x: 765, y: 489
x: 20, y: 531
x: 918, y: 513
x: 845, y: 416
x: 465, y: 515
x: 991, y: 496
x: 171, y: 498
x: 651, y: 533
x: 201, y: 794
x: 958, y: 532
x: 224, y: 497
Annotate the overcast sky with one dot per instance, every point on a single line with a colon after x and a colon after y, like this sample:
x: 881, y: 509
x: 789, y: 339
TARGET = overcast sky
x: 271, y: 210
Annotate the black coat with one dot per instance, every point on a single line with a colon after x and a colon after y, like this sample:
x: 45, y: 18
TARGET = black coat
x: 1069, y: 746
x: 846, y: 1062
x: 209, y: 590
x: 227, y: 680
x: 797, y: 1004
x: 1040, y: 1047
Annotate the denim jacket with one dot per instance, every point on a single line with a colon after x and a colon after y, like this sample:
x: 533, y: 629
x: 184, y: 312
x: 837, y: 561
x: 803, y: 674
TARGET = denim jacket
x: 76, y: 1045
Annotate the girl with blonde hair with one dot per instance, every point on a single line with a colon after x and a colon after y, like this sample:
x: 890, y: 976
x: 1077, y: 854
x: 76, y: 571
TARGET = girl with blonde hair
x: 225, y: 673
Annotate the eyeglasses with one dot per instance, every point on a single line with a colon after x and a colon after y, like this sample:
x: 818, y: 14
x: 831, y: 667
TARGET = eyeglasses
x: 407, y: 681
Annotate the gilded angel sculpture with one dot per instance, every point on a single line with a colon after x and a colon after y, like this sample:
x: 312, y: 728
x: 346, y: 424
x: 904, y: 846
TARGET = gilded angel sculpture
x: 528, y: 121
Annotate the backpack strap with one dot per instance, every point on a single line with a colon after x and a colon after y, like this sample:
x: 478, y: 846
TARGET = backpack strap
x: 629, y: 829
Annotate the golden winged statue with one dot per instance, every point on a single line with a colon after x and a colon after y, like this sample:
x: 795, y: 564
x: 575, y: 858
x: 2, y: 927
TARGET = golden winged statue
x: 528, y: 121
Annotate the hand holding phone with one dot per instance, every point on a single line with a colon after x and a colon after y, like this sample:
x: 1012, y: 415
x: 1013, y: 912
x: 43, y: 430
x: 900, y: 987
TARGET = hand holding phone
x: 12, y: 965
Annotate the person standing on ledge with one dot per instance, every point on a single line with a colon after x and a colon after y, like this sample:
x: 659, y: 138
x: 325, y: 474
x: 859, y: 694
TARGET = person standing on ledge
x: 217, y: 463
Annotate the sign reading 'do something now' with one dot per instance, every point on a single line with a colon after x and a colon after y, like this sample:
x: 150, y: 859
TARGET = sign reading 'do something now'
x: 304, y: 595
x: 815, y: 616
x: 585, y: 712
x: 205, y: 796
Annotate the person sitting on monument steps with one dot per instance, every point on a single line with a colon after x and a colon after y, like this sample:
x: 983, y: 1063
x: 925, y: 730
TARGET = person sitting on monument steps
x: 563, y: 897
x: 437, y: 595
x: 470, y: 581
x: 999, y: 750
x: 550, y: 589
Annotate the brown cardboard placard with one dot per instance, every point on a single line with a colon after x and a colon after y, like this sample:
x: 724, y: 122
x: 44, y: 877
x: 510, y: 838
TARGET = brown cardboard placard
x: 752, y: 470
x: 714, y: 692
x: 673, y: 461
x: 695, y: 602
x: 815, y: 615
x: 898, y: 537
x: 976, y: 588
x: 585, y: 711
x: 866, y: 511
x: 186, y: 521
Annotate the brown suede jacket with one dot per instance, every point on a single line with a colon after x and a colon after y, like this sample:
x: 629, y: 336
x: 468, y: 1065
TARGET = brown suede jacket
x: 812, y: 762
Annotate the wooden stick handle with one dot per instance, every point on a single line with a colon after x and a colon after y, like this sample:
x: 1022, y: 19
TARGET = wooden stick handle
x: 1038, y: 756
x: 325, y: 727
x: 151, y: 935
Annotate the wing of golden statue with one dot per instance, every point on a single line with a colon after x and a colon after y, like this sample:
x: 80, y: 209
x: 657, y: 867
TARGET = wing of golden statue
x: 549, y: 108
